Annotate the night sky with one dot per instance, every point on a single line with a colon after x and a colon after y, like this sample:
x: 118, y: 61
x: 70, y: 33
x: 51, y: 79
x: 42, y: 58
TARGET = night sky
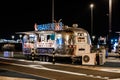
x: 21, y: 15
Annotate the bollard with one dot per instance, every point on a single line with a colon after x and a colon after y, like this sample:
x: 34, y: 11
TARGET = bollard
x: 119, y: 49
x: 53, y: 60
x: 33, y: 56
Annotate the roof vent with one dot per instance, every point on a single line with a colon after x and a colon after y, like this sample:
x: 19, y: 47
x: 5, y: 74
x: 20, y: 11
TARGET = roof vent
x: 75, y: 25
x: 65, y: 27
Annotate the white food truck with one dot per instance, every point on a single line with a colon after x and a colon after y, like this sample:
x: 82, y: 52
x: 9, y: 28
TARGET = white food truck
x: 58, y: 40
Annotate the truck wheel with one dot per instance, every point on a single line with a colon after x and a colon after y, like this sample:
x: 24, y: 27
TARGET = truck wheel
x: 43, y: 58
x: 40, y: 58
x: 47, y: 58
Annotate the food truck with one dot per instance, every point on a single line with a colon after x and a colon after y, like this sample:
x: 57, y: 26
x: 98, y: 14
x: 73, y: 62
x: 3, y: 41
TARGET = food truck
x: 58, y: 40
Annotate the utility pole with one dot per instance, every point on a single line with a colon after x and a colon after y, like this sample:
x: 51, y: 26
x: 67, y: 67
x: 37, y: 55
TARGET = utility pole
x: 91, y: 7
x: 52, y: 11
x: 110, y: 24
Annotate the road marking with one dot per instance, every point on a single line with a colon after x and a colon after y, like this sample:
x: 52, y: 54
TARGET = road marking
x: 114, y: 79
x: 67, y: 72
x: 112, y: 60
x: 111, y: 70
x: 61, y: 71
x: 95, y: 68
x: 13, y: 78
x: 55, y: 70
x: 24, y: 72
x: 117, y: 70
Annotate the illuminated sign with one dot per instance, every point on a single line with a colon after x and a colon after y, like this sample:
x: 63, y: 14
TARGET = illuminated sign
x: 44, y: 50
x: 50, y: 26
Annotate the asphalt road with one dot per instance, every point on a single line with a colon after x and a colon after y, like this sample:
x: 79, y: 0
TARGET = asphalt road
x: 59, y: 71
x: 14, y: 75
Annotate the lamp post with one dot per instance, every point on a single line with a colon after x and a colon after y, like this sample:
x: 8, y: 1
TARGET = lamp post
x: 91, y: 7
x: 52, y: 11
x: 110, y: 16
x: 110, y: 24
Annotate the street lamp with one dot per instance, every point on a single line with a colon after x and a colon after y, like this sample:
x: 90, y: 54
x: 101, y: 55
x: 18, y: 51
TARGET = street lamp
x: 13, y: 37
x: 91, y: 7
x: 20, y: 36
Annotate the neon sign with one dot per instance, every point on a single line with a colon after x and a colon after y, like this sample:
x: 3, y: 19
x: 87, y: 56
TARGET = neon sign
x: 50, y: 26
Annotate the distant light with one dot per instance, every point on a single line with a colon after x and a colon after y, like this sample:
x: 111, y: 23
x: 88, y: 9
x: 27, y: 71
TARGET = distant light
x: 20, y: 35
x: 115, y: 40
x: 93, y: 37
x: 111, y: 40
x: 91, y: 5
x: 13, y: 36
